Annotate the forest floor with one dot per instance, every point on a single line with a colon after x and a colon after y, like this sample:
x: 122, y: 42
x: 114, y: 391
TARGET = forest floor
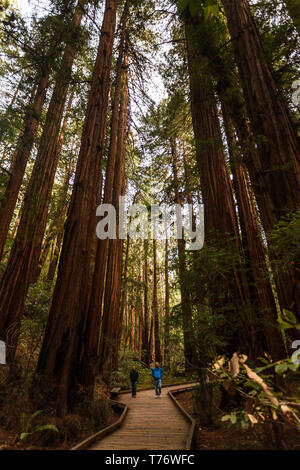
x: 28, y: 423
x: 72, y: 429
x: 222, y: 436
x: 21, y: 411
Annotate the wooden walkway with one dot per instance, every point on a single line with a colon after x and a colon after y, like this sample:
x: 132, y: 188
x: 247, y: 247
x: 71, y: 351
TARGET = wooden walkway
x: 151, y: 424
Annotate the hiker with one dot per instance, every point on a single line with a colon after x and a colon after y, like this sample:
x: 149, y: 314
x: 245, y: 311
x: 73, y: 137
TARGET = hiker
x: 134, y: 376
x: 157, y: 375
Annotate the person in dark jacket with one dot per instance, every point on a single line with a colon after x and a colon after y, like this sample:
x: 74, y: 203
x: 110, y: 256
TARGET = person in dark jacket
x: 157, y: 375
x: 134, y: 376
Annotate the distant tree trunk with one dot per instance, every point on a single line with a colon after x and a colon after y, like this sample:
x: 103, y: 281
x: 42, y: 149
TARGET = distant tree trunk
x: 254, y: 250
x: 15, y: 227
x: 60, y: 352
x: 124, y: 287
x: 151, y: 340
x: 11, y: 104
x: 155, y: 305
x: 26, y: 249
x: 293, y: 7
x: 109, y: 340
x: 167, y: 307
x: 131, y: 323
x: 59, y: 224
x: 277, y: 166
x: 185, y: 296
x: 145, y: 337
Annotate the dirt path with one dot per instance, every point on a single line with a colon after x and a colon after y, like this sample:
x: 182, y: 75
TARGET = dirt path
x: 151, y: 424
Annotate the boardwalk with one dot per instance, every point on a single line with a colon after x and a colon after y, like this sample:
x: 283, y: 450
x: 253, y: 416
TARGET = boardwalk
x: 151, y: 424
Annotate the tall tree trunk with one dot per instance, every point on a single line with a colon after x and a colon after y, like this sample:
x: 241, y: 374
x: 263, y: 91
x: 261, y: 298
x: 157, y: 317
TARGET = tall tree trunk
x: 155, y: 305
x: 59, y: 356
x: 275, y: 133
x: 221, y: 229
x: 253, y: 246
x: 26, y: 249
x: 132, y: 320
x: 187, y: 321
x: 167, y: 307
x: 25, y: 142
x: 145, y: 338
x: 151, y: 341
x: 277, y: 166
x: 109, y: 341
x: 95, y: 304
x: 59, y: 217
x: 231, y: 95
x: 124, y: 286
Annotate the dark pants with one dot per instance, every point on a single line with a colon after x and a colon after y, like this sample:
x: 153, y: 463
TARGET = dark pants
x: 134, y: 385
x: 157, y: 383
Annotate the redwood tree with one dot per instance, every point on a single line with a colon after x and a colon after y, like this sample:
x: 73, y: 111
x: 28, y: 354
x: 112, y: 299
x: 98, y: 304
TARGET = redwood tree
x: 187, y: 321
x: 155, y: 306
x: 110, y: 329
x: 25, y: 253
x: 278, y: 165
x: 60, y: 353
x: 221, y: 227
x: 95, y: 304
x: 27, y: 136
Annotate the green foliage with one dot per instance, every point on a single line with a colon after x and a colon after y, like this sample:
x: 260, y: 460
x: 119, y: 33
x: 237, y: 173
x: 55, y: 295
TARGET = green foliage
x: 127, y: 359
x: 210, y: 7
x: 285, y: 238
x: 256, y: 401
x: 33, y: 323
x: 288, y: 320
x: 121, y: 377
x: 239, y: 417
x: 29, y: 429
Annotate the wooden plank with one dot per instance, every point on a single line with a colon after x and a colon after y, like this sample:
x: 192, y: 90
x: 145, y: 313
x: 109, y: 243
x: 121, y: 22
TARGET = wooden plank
x: 151, y: 424
x: 190, y: 438
x: 99, y: 435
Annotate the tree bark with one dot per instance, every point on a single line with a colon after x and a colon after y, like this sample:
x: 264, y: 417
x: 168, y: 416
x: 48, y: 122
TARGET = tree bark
x: 155, y: 305
x: 56, y: 229
x: 109, y: 341
x: 59, y: 356
x: 96, y: 301
x: 221, y: 229
x: 25, y: 143
x: 145, y: 337
x: 167, y: 307
x: 272, y: 341
x: 187, y: 321
x: 277, y: 165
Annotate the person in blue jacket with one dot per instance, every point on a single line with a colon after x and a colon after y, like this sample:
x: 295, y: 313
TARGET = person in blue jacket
x: 157, y: 375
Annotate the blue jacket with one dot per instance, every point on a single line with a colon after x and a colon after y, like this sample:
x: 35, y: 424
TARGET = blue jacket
x: 157, y: 373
